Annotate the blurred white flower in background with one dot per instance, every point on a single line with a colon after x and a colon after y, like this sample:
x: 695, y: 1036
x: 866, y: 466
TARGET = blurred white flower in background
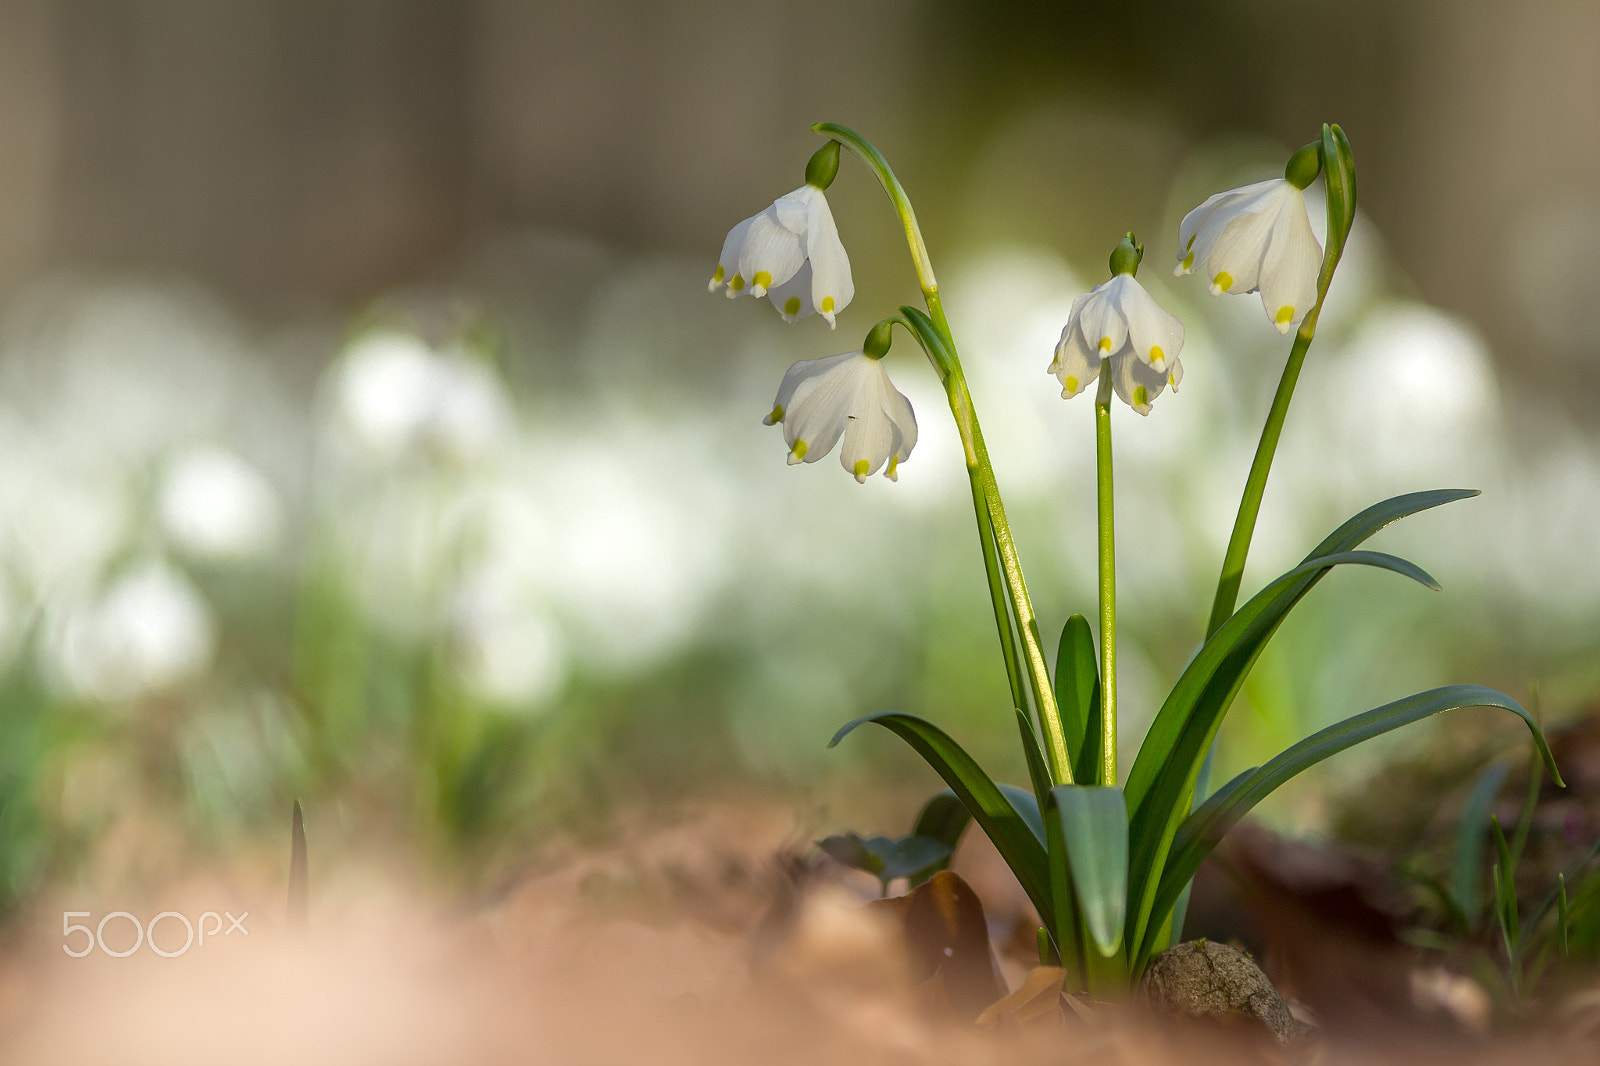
x: 216, y: 506
x: 393, y: 393
x: 147, y: 630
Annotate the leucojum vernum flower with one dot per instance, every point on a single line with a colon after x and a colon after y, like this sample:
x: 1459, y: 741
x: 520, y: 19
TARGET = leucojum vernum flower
x: 848, y: 395
x: 791, y: 253
x: 1106, y: 856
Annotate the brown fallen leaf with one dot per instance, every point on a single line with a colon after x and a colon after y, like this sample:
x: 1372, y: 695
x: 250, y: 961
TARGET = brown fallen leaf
x: 947, y: 938
x: 1039, y: 997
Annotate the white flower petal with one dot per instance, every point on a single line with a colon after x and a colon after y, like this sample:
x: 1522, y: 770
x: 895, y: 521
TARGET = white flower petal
x: 1137, y: 383
x: 832, y: 287
x: 772, y: 252
x: 1100, y: 318
x: 1195, y: 221
x: 793, y: 297
x: 1154, y: 335
x: 1074, y: 365
x: 1290, y: 266
x: 728, y: 261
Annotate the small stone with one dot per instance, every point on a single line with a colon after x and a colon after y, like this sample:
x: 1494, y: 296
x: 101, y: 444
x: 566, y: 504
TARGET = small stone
x: 1201, y: 979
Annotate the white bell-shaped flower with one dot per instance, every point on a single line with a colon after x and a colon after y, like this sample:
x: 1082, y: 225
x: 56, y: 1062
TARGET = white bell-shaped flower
x: 849, y: 396
x: 1120, y: 324
x: 1256, y: 238
x: 791, y: 254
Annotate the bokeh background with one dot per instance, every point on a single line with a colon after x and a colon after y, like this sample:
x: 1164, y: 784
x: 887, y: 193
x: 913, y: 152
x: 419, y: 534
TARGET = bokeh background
x: 367, y: 434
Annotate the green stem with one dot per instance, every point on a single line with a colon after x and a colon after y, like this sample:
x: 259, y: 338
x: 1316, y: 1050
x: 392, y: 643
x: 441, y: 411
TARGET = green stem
x: 1255, y: 486
x: 1108, y: 582
x: 1338, y: 169
x: 991, y: 562
x: 990, y: 509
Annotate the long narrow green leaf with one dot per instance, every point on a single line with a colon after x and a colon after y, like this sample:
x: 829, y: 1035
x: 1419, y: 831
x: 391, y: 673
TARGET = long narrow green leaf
x: 1563, y: 917
x: 1020, y: 843
x: 1093, y: 821
x: 1078, y: 697
x: 1364, y: 525
x: 1467, y: 877
x: 1203, y: 829
x: 1194, y: 708
x: 1163, y: 777
x: 1038, y: 772
x: 1064, y: 911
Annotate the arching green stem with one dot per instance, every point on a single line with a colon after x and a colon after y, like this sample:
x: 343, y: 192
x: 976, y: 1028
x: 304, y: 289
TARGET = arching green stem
x: 1339, y: 178
x: 1019, y: 629
x: 1105, y: 499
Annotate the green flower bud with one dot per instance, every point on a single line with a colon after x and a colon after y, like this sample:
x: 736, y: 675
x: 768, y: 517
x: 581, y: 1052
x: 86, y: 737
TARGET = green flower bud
x: 1125, y: 256
x: 1304, y: 166
x: 876, y: 346
x: 823, y: 166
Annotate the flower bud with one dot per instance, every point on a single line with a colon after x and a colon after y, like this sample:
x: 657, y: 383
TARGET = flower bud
x: 876, y: 346
x: 1125, y: 256
x: 1304, y: 165
x: 822, y: 168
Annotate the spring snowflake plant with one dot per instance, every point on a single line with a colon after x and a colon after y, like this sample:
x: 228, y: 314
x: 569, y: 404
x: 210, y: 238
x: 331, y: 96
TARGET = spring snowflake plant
x: 1106, y: 865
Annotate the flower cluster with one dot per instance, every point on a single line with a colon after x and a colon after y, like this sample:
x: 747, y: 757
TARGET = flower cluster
x: 1256, y: 238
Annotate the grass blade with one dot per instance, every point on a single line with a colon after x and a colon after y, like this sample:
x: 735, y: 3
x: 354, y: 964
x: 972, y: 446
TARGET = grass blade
x: 299, y: 885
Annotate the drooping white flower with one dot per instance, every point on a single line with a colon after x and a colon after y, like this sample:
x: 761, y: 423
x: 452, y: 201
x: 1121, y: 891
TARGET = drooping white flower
x: 848, y: 395
x: 791, y: 254
x: 1120, y: 324
x: 1256, y: 238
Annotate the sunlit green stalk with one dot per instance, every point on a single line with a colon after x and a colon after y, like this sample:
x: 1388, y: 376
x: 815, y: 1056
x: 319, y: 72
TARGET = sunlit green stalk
x: 1338, y: 168
x: 1105, y: 498
x: 991, y: 561
x: 989, y: 507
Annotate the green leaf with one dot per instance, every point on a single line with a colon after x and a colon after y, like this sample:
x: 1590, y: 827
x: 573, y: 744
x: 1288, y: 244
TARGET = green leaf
x: 1161, y: 781
x: 1078, y: 698
x: 913, y: 857
x: 1093, y: 823
x: 1202, y: 830
x: 1466, y: 875
x: 1506, y: 888
x: 944, y: 818
x: 1038, y: 772
x: 850, y: 849
x: 1020, y: 843
x: 1163, y: 776
x: 1563, y: 917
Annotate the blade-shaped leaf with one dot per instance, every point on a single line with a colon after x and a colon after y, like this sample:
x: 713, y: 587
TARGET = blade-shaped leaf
x: 1094, y: 828
x: 1206, y: 826
x: 1163, y: 776
x: 1466, y: 877
x: 1020, y: 843
x: 1078, y: 698
x: 1038, y: 772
